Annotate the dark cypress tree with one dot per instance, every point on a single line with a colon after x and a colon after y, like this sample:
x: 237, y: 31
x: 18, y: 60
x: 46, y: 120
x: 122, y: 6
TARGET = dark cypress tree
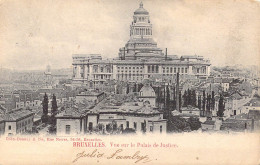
x: 180, y: 102
x: 221, y: 106
x: 208, y: 102
x: 185, y: 99
x: 45, y: 109
x: 174, y: 99
x: 194, y: 99
x: 204, y: 102
x: 135, y: 88
x: 199, y: 102
x: 54, y: 108
x: 158, y: 95
x: 213, y: 100
x: 127, y: 88
x: 189, y: 102
x: 140, y: 87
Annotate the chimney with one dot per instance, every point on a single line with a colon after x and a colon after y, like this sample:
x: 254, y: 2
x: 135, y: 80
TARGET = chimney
x: 177, y: 93
x: 124, y: 54
x: 166, y: 54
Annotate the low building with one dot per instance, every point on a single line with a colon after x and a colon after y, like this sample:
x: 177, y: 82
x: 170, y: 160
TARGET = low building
x: 90, y: 96
x: 147, y: 94
x: 70, y: 122
x: 2, y: 125
x: 190, y: 110
x: 211, y: 125
x: 129, y: 115
x: 18, y: 121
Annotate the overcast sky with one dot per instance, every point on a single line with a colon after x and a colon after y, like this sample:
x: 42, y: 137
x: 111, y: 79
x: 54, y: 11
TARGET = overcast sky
x: 36, y: 33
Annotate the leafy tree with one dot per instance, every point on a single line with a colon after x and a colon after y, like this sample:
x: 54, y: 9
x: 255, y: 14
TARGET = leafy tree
x: 177, y: 124
x: 221, y: 106
x: 128, y: 131
x: 194, y: 123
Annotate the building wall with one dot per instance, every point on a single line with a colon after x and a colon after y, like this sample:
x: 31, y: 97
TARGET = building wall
x: 73, y: 123
x: 2, y: 128
x: 92, y: 119
x: 10, y: 128
x: 24, y: 125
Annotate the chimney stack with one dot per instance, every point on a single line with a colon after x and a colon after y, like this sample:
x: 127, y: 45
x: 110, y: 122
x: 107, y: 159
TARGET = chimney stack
x: 166, y: 54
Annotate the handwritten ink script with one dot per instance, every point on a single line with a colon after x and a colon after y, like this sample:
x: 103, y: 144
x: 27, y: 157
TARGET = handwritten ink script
x: 119, y: 154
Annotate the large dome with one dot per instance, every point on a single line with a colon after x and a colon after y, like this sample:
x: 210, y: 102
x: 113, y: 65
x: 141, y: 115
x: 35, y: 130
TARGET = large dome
x: 141, y: 10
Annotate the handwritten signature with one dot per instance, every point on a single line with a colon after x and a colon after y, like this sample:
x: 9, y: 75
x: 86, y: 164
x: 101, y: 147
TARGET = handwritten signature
x: 118, y: 154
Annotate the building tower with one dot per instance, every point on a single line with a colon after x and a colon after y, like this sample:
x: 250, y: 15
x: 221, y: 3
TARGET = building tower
x: 141, y: 44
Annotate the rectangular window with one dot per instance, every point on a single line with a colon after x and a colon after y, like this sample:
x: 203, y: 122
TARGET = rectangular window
x: 9, y: 127
x: 186, y: 70
x: 151, y: 128
x: 68, y: 129
x: 135, y: 125
x: 160, y: 128
x: 90, y: 126
x: 127, y: 124
x: 174, y: 70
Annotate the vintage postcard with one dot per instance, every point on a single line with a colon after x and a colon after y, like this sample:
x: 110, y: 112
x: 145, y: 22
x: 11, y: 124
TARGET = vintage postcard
x: 130, y: 82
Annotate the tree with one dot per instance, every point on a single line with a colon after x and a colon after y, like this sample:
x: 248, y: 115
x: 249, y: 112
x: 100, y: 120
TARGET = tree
x: 54, y: 109
x: 127, y: 88
x: 195, y: 124
x: 185, y: 99
x: 177, y: 124
x: 193, y: 98
x: 189, y: 98
x: 221, y: 106
x: 199, y: 102
x: 213, y: 100
x: 45, y: 109
x: 208, y: 102
x: 135, y: 88
x: 167, y: 101
x: 180, y: 102
x: 204, y: 101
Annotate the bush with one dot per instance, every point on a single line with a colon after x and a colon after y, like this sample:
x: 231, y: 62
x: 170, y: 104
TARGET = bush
x: 128, y: 131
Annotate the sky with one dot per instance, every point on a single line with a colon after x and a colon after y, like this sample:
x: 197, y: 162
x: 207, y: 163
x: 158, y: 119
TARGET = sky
x: 35, y: 33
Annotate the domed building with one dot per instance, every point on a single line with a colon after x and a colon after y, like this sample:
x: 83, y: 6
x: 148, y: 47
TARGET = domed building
x: 139, y: 59
x: 147, y: 95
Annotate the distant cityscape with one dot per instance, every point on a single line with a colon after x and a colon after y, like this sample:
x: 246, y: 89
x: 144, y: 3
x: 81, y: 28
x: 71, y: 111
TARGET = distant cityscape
x: 144, y: 90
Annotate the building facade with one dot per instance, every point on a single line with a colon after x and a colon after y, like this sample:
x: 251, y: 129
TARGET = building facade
x: 139, y: 59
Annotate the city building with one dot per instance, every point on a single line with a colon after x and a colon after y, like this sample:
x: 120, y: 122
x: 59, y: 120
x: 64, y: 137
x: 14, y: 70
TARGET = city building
x: 139, y: 59
x: 16, y: 121
x: 90, y: 96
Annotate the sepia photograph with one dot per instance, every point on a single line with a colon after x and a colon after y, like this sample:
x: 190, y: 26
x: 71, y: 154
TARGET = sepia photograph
x: 130, y: 82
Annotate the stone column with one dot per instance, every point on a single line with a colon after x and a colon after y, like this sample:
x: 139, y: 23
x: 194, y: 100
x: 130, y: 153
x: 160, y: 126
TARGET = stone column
x: 190, y: 70
x: 77, y: 71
